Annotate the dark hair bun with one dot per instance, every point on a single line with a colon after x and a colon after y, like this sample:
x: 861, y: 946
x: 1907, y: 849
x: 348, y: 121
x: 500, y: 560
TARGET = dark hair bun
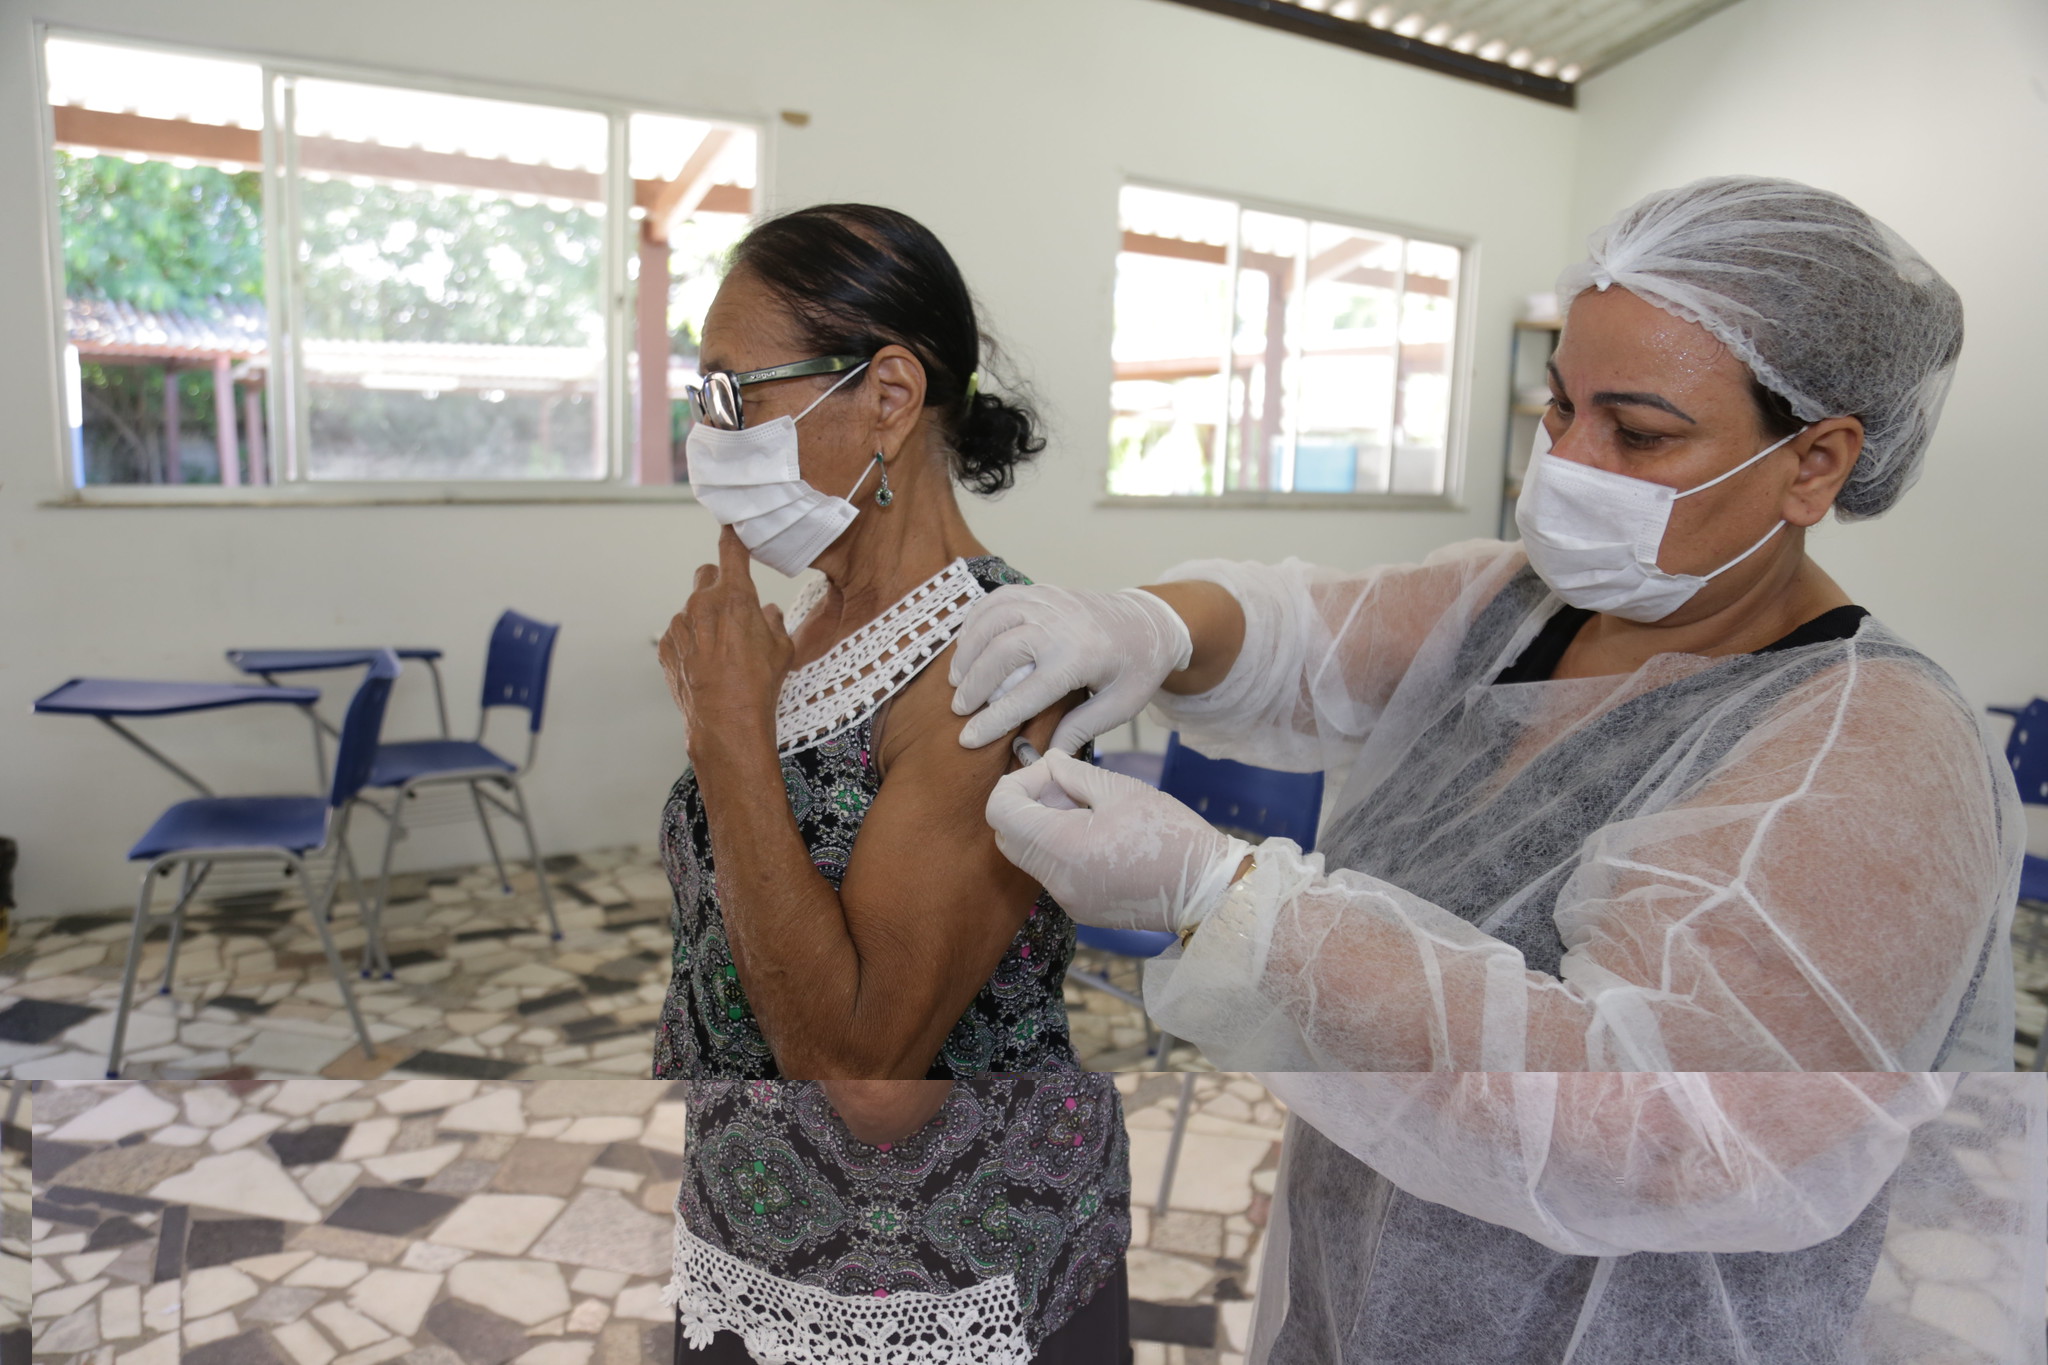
x: 995, y: 437
x: 857, y: 278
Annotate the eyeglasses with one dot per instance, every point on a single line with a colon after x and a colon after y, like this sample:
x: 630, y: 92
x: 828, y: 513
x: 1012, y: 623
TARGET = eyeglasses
x: 715, y: 400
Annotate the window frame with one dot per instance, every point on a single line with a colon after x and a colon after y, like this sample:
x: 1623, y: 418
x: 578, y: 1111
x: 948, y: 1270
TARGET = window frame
x: 283, y: 412
x: 1456, y: 435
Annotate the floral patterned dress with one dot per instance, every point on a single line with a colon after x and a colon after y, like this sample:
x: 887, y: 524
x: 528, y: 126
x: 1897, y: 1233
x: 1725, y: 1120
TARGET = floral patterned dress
x: 825, y: 729
x: 971, y: 1240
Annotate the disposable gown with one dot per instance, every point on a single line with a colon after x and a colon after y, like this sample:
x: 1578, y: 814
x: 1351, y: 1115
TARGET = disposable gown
x: 1803, y: 859
x: 1679, y: 1219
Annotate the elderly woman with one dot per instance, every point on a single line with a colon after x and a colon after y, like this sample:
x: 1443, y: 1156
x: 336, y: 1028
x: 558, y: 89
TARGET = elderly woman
x: 842, y: 914
x: 1643, y: 791
x: 841, y: 908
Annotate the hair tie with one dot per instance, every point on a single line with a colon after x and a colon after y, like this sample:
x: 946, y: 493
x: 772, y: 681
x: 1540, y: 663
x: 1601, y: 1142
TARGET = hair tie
x: 973, y: 385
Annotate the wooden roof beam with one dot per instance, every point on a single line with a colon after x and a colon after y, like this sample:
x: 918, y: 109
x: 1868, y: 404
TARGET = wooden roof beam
x: 213, y: 144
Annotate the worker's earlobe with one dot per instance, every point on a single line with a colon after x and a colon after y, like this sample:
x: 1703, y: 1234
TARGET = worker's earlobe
x: 1827, y: 453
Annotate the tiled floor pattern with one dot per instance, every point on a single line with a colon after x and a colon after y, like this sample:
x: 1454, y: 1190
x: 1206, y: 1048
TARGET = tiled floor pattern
x: 479, y: 992
x: 1193, y: 1271
x: 318, y: 1222
x: 447, y: 1222
x: 14, y: 1221
x: 2030, y: 974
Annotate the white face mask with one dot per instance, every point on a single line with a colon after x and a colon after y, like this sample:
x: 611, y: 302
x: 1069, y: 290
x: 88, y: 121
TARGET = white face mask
x: 1593, y: 536
x: 751, y: 481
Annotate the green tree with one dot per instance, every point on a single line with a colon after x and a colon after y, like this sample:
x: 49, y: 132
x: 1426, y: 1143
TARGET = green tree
x: 158, y: 236
x: 390, y: 264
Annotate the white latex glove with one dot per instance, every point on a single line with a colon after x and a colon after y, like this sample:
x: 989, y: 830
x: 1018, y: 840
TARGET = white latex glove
x: 1027, y: 645
x: 1123, y: 856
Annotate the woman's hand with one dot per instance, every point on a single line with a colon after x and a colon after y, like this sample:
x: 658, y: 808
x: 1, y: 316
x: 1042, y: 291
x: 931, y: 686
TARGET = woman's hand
x: 725, y: 655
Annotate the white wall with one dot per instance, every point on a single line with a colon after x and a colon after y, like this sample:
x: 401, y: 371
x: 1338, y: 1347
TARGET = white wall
x: 1006, y: 126
x: 1935, y: 119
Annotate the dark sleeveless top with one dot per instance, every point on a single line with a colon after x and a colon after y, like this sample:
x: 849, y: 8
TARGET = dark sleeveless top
x: 1018, y: 1021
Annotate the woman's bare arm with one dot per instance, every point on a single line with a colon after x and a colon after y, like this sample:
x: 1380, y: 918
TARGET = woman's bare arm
x: 866, y: 982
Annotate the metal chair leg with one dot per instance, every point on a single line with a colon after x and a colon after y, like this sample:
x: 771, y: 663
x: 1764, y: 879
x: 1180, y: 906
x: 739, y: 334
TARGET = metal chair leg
x: 346, y: 856
x: 189, y: 889
x: 135, y: 938
x: 491, y: 840
x: 373, y: 914
x: 540, y: 874
x: 1180, y: 1128
x: 355, y: 886
x: 177, y: 929
x: 319, y: 909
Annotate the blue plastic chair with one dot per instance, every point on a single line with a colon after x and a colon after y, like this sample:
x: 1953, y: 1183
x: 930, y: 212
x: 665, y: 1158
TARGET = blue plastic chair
x: 2026, y: 749
x: 202, y: 833
x: 1252, y: 803
x: 515, y: 674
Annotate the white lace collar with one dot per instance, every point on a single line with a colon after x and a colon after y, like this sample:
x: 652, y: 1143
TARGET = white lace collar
x: 849, y: 681
x: 799, y: 1324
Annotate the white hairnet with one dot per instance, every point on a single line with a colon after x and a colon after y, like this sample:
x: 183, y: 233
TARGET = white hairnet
x: 1827, y: 306
x: 1615, y: 1219
x: 1703, y: 865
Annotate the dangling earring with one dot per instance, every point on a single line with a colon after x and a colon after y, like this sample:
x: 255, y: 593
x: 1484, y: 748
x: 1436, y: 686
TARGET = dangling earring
x: 883, y: 495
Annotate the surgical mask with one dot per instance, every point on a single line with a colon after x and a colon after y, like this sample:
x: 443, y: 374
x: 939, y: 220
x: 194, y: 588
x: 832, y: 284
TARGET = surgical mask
x: 1593, y: 536
x: 750, y: 480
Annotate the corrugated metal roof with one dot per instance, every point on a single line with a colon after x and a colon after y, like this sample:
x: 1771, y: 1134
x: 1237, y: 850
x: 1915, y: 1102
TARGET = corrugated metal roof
x: 1569, y: 39
x: 103, y: 327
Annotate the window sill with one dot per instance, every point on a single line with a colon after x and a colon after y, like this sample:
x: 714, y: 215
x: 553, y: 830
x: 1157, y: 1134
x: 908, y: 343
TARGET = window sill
x: 1304, y: 502
x: 366, y: 495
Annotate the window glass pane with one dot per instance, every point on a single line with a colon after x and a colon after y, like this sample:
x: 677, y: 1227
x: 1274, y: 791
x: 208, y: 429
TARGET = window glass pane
x: 1268, y: 283
x: 160, y: 209
x: 450, y: 274
x: 1429, y: 311
x: 1339, y: 352
x: 693, y: 190
x: 1347, y: 330
x: 1172, y: 311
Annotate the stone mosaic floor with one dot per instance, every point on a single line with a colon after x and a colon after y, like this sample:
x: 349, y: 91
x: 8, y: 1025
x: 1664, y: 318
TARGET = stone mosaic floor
x: 1193, y: 1271
x: 457, y: 1222
x: 479, y: 991
x: 14, y: 1222
x: 319, y: 1222
x: 2030, y: 975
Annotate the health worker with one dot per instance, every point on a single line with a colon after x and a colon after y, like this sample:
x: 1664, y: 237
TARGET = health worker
x: 1644, y: 791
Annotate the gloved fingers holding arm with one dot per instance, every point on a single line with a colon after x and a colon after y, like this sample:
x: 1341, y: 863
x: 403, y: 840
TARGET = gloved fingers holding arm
x: 1027, y: 646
